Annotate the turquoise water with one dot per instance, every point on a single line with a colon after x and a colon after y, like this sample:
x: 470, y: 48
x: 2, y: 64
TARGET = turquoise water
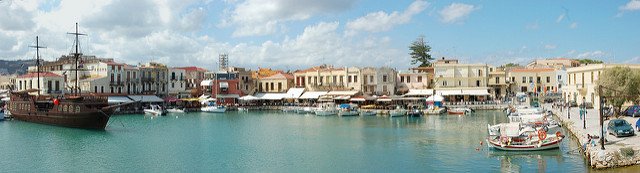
x: 273, y: 142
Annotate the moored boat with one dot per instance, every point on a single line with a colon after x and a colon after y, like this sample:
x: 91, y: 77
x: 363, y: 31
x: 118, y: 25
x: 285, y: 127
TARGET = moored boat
x: 518, y: 137
x: 326, y: 109
x: 154, y: 110
x: 459, y: 111
x: 368, y: 113
x: 398, y: 112
x: 175, y: 110
x: 348, y: 110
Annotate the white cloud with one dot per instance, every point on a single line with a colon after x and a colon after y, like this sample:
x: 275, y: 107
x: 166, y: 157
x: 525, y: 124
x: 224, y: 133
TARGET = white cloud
x: 632, y: 5
x: 456, y: 12
x: 573, y: 25
x: 634, y: 60
x: 598, y: 54
x: 261, y: 17
x: 382, y: 21
x: 550, y: 46
x: 560, y: 18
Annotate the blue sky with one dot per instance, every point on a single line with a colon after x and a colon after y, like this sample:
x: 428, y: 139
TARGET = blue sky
x: 291, y: 34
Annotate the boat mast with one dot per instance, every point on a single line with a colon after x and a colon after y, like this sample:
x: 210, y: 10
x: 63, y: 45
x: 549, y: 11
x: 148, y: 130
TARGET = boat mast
x: 38, y: 61
x: 76, y: 55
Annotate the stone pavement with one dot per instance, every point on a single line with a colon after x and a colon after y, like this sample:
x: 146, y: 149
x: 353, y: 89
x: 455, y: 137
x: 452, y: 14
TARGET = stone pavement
x: 621, y: 151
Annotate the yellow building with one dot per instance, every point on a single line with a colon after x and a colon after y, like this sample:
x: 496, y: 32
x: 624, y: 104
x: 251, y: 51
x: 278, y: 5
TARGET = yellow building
x: 498, y: 82
x: 582, y: 81
x: 461, y: 82
x: 328, y: 78
x: 276, y: 83
x: 534, y: 80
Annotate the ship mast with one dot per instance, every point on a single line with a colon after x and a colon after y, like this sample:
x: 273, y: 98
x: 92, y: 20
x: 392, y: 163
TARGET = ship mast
x: 38, y: 61
x: 77, y: 56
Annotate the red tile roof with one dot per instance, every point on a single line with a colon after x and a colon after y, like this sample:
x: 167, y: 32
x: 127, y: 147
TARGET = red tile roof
x: 280, y: 76
x: 42, y: 74
x: 318, y: 68
x: 192, y: 68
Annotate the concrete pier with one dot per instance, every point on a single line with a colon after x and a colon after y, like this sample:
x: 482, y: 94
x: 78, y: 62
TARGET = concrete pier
x: 619, y: 152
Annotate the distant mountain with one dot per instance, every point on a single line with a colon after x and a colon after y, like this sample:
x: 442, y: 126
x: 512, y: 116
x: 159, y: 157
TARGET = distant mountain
x: 15, y: 66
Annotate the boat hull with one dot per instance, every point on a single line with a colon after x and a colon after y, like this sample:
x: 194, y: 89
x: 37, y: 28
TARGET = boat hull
x: 545, y: 146
x: 349, y: 113
x: 85, y: 120
x: 326, y: 113
x: 213, y: 110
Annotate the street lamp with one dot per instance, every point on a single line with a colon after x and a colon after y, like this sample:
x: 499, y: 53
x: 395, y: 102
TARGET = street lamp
x: 601, y: 118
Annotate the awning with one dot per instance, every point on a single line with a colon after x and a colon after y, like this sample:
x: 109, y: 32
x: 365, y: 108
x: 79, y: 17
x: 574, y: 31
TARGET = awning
x: 118, y: 99
x: 227, y: 96
x: 248, y: 98
x: 410, y: 98
x: 383, y: 99
x: 341, y: 97
x: 270, y: 96
x: 419, y: 92
x: 206, y: 83
x: 224, y: 85
x: 357, y: 99
x: 294, y: 93
x: 146, y: 98
x: 342, y: 93
x: 475, y: 92
x: 312, y: 94
x: 435, y: 98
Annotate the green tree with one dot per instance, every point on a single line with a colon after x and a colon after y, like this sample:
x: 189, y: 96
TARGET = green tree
x: 589, y: 61
x: 510, y: 65
x: 420, y: 52
x: 620, y: 84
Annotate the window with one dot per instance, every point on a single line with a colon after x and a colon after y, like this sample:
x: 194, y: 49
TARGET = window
x: 173, y: 75
x: 479, y: 72
x: 459, y: 83
x: 355, y: 79
x: 280, y: 86
x: 444, y: 83
x: 559, y: 77
x: 95, y: 89
x: 111, y: 89
x: 173, y: 85
x: 335, y: 79
x: 530, y: 79
x: 408, y: 79
x: 401, y: 78
x: 101, y: 89
x: 548, y: 79
x: 538, y: 79
x: 111, y: 77
x: 478, y: 83
x: 524, y: 79
x: 341, y: 79
x: 273, y: 87
x: 384, y: 88
x: 371, y: 79
x: 419, y: 78
x: 591, y: 77
x: 57, y: 85
x: 384, y: 78
x: 320, y: 80
x: 349, y: 79
x: 497, y: 79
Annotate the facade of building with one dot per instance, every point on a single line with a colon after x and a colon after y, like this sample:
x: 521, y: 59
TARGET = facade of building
x: 461, y: 82
x: 378, y: 81
x: 7, y: 82
x: 193, y: 76
x: 154, y: 79
x: 534, y: 80
x: 556, y: 63
x: 226, y: 87
x: 177, y: 83
x: 49, y: 84
x: 498, y: 82
x: 277, y: 83
x: 582, y: 82
x: 414, y: 78
x: 328, y: 78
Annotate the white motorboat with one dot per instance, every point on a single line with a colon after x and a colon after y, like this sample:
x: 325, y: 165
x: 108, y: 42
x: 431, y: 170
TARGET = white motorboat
x: 348, y: 110
x: 175, y: 110
x: 154, y: 110
x: 368, y: 113
x: 214, y: 109
x: 243, y: 109
x: 460, y: 111
x: 305, y: 110
x: 398, y: 112
x: 326, y: 109
x: 518, y: 137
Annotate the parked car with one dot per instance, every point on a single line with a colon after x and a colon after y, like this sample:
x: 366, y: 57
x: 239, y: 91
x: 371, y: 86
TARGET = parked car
x: 632, y: 111
x: 619, y: 128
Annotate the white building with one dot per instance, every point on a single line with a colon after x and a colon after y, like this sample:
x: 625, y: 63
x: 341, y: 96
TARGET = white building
x: 50, y: 83
x: 582, y: 82
x: 177, y: 83
x: 378, y: 81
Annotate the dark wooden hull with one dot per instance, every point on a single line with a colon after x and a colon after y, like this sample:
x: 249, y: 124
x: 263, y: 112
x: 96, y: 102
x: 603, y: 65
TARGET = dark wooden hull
x: 86, y: 120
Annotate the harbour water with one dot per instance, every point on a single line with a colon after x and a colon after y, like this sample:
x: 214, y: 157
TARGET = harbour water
x: 274, y: 142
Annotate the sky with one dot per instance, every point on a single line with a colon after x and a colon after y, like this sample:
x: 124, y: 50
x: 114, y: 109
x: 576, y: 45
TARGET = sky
x: 297, y: 34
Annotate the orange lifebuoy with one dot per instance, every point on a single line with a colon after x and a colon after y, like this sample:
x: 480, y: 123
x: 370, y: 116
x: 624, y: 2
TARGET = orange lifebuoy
x: 542, y: 134
x: 558, y: 134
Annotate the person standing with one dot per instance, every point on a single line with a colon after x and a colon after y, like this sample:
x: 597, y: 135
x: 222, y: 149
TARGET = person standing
x: 583, y: 111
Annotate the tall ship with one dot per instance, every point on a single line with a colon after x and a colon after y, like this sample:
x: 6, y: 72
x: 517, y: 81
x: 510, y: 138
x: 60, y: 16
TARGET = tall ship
x: 75, y: 110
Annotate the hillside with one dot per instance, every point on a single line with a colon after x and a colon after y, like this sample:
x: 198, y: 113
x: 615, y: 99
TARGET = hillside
x: 15, y: 66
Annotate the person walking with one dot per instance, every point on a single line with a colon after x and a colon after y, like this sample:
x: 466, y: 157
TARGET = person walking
x: 583, y: 111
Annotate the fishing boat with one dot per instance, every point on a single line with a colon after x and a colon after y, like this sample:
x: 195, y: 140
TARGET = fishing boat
x: 415, y: 111
x: 305, y: 110
x: 154, y: 110
x: 175, y: 110
x: 326, y: 109
x: 348, y: 110
x: 73, y: 110
x: 398, y: 112
x: 459, y: 111
x: 368, y: 113
x: 518, y: 137
x: 211, y: 106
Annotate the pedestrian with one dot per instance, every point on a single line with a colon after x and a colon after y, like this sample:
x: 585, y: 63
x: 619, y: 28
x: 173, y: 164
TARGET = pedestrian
x: 583, y: 112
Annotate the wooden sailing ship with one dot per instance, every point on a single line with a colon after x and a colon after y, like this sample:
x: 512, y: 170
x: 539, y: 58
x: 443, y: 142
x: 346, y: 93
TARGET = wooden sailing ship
x: 70, y: 110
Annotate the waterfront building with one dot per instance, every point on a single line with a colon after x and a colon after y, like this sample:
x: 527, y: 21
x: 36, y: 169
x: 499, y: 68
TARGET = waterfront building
x: 582, y: 82
x: 262, y: 73
x: 498, y: 82
x: 225, y: 87
x: 154, y: 79
x: 415, y: 79
x: 50, y: 83
x: 556, y: 63
x: 177, y: 83
x: 193, y: 76
x: 378, y: 81
x: 7, y: 82
x: 327, y: 78
x: 276, y: 83
x: 534, y: 80
x: 247, y: 85
x: 461, y: 82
